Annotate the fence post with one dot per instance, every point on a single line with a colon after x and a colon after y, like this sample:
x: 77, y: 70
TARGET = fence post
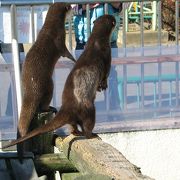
x: 154, y: 17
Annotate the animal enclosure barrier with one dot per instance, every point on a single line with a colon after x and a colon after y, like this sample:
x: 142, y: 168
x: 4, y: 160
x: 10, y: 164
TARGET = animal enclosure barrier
x: 143, y: 88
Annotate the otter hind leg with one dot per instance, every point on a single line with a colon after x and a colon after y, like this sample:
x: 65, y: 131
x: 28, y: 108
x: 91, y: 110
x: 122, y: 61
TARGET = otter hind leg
x: 74, y: 130
x: 88, y: 123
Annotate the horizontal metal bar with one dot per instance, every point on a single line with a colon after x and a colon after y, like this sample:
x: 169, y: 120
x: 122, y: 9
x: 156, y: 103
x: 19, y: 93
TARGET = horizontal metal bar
x: 20, y: 2
x: 140, y: 60
x: 137, y: 13
x: 39, y: 2
x: 6, y: 67
x: 129, y: 111
x: 116, y: 61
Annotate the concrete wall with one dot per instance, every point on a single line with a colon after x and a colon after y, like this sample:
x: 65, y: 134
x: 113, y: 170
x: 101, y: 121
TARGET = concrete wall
x: 157, y: 153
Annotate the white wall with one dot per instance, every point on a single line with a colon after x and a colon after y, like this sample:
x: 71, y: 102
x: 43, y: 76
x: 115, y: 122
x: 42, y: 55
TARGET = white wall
x: 157, y: 153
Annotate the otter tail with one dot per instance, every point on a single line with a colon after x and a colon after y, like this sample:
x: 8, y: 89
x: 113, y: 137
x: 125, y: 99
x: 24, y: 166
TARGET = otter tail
x: 29, y: 107
x: 60, y: 120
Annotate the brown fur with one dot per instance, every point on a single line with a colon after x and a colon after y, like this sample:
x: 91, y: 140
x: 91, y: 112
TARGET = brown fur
x: 39, y: 65
x: 88, y: 75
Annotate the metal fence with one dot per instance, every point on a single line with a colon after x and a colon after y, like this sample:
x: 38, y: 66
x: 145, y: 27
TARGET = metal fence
x: 146, y: 76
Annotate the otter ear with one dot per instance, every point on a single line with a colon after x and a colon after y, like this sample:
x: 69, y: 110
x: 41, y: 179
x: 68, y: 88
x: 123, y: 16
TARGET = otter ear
x: 68, y: 7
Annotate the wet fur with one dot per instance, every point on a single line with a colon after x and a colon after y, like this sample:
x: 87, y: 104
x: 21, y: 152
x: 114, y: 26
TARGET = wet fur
x: 88, y: 76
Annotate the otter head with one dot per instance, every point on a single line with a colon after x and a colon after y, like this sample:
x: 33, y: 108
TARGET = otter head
x: 104, y: 24
x: 59, y: 10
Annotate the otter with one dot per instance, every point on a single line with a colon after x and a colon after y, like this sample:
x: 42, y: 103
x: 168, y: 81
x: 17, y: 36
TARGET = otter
x: 88, y: 76
x: 37, y: 83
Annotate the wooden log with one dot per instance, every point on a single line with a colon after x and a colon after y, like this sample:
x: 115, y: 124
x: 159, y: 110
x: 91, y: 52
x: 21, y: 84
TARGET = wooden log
x: 79, y: 176
x: 41, y: 144
x: 54, y: 162
x: 69, y: 176
x: 93, y: 156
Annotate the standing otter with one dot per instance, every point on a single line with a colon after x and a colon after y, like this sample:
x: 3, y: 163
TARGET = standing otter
x: 87, y: 76
x: 39, y: 65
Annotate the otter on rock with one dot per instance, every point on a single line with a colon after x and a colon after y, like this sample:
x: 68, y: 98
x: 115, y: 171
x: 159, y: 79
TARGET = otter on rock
x: 88, y: 76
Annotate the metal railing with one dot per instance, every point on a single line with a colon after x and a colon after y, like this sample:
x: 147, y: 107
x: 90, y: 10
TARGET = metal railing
x: 137, y: 101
